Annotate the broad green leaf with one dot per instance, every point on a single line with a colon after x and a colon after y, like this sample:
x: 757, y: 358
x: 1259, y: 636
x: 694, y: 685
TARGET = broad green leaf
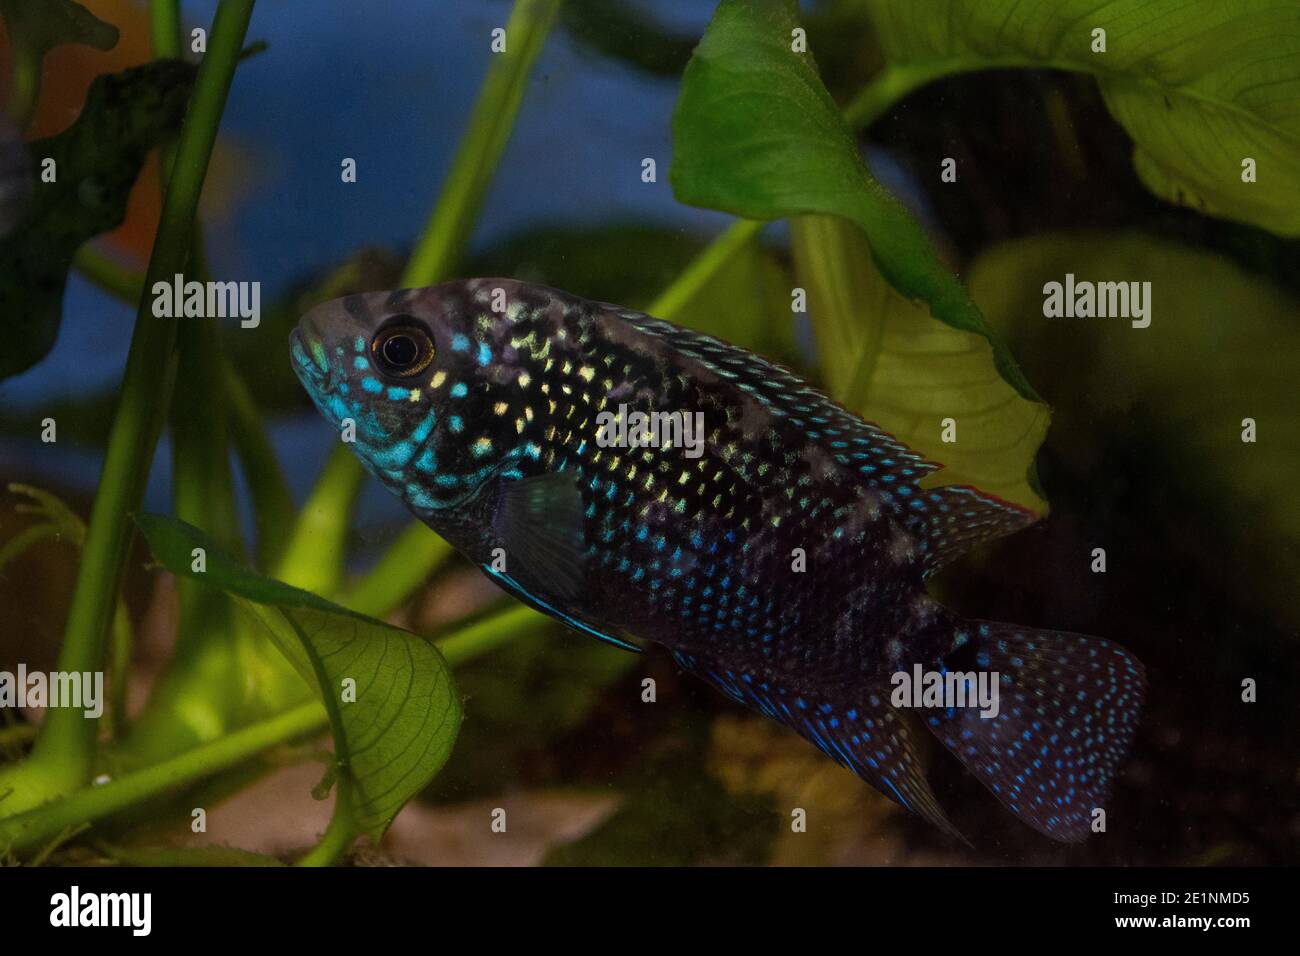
x: 1200, y: 85
x: 885, y: 358
x: 96, y: 161
x: 755, y: 133
x: 1223, y: 346
x: 398, y: 731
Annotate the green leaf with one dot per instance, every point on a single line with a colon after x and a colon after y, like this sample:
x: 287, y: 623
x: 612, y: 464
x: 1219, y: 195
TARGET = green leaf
x: 398, y: 731
x: 755, y: 133
x: 885, y: 358
x: 1223, y: 345
x: 97, y: 160
x: 1200, y: 85
x: 41, y: 25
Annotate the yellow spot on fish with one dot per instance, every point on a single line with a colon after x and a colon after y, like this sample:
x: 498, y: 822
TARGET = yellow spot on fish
x: 500, y: 408
x: 414, y: 396
x: 586, y: 373
x: 519, y: 426
x: 437, y: 380
x: 523, y: 379
x: 481, y: 447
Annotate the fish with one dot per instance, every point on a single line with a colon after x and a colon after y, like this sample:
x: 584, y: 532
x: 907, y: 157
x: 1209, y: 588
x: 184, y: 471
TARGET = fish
x: 784, y: 562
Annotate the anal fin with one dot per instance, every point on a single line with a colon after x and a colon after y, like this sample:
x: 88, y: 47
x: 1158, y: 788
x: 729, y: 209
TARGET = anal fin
x: 851, y: 723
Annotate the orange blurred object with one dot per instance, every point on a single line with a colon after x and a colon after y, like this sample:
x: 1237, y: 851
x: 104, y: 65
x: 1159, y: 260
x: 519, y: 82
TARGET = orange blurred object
x: 68, y: 73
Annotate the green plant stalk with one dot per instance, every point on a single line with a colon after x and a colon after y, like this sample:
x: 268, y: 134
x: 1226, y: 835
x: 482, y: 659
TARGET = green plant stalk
x: 165, y: 27
x: 402, y: 569
x: 313, y: 558
x: 23, y: 831
x: 489, y: 633
x: 19, y: 833
x: 119, y: 670
x: 64, y: 748
x: 272, y: 503
x: 340, y: 833
x: 440, y: 249
x: 273, y: 506
x: 704, y: 267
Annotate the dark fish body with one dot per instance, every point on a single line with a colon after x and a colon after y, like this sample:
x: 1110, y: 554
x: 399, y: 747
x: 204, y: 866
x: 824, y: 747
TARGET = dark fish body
x: 785, y: 564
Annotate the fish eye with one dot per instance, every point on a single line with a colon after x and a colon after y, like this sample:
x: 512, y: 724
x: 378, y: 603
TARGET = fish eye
x: 402, y: 350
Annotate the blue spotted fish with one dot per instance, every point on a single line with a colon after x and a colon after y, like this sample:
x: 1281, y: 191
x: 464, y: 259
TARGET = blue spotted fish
x: 785, y: 563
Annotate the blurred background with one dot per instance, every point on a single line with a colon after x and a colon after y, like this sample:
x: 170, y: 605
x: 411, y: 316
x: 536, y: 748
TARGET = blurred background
x: 1202, y: 553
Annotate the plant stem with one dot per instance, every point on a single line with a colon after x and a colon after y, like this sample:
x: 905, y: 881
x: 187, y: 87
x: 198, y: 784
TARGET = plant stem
x: 402, y: 568
x: 272, y: 504
x: 66, y: 742
x: 340, y: 833
x: 704, y: 267
x: 94, y: 803
x: 313, y: 558
x: 490, y: 633
x: 165, y: 27
x: 439, y: 251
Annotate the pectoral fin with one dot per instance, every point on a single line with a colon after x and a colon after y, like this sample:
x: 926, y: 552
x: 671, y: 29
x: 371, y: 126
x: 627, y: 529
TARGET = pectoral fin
x: 540, y: 522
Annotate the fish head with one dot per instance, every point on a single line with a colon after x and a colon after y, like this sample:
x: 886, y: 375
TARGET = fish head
x: 415, y: 373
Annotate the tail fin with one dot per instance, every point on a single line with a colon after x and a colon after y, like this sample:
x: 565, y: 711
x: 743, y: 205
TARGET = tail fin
x: 1068, y: 708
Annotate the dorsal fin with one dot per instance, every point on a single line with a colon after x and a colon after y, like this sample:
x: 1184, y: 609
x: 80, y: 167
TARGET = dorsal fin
x: 948, y: 521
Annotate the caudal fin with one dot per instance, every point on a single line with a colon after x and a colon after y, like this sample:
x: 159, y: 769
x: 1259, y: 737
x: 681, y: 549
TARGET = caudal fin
x: 1068, y: 708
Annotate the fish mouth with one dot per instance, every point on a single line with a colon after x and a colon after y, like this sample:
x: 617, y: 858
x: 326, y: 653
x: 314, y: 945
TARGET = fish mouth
x: 309, y: 361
